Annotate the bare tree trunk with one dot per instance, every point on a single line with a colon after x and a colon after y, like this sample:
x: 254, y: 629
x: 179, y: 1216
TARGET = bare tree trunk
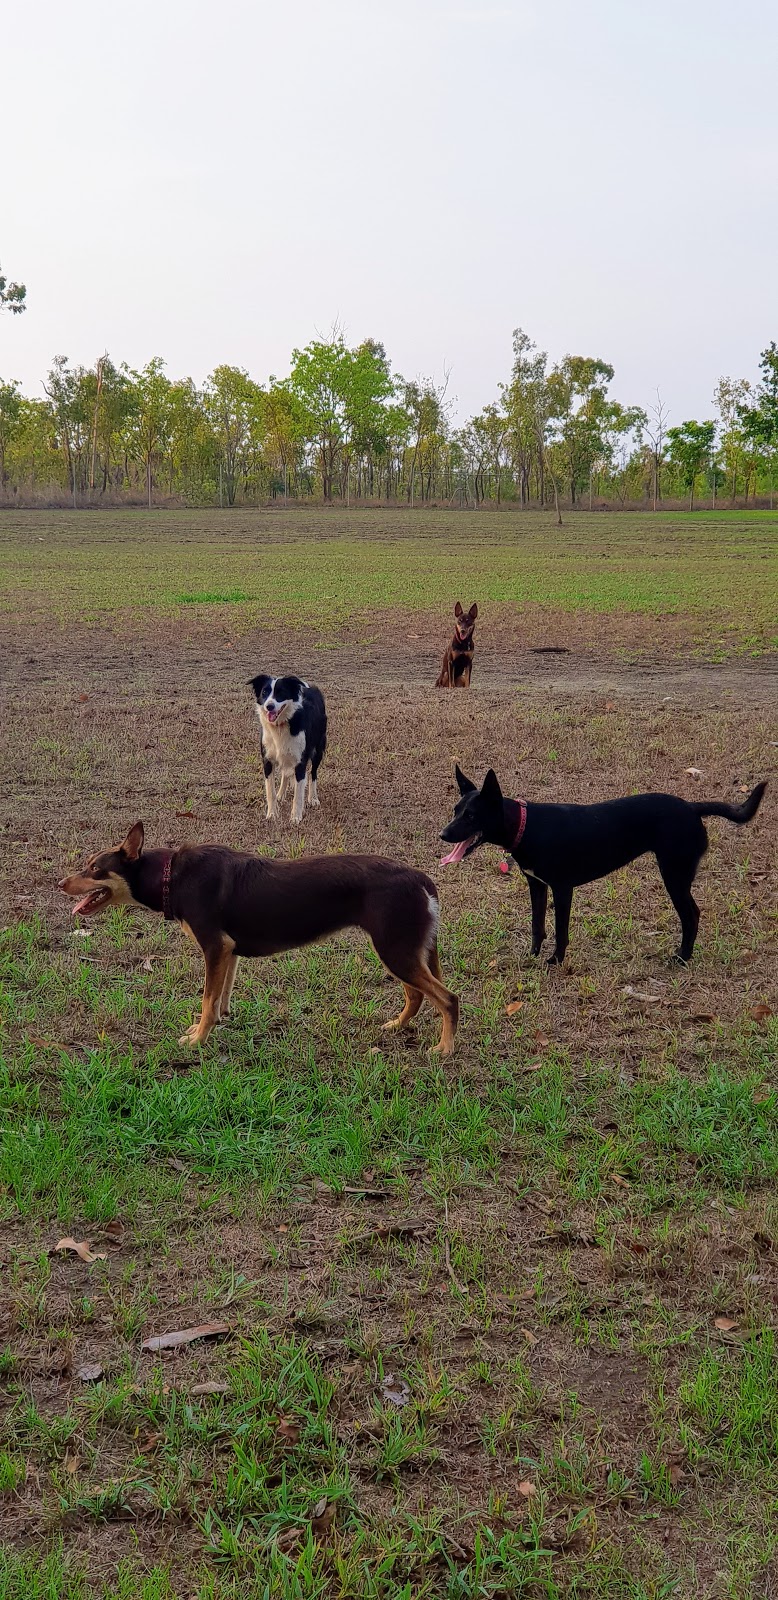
x: 99, y: 369
x: 556, y: 503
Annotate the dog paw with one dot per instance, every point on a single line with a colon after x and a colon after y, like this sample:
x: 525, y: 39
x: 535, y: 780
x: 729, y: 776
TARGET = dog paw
x: 192, y: 1035
x: 314, y: 802
x: 386, y: 1027
x: 554, y: 960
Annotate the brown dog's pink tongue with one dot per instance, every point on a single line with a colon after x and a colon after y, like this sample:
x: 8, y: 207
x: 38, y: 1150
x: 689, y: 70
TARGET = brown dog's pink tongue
x: 457, y: 853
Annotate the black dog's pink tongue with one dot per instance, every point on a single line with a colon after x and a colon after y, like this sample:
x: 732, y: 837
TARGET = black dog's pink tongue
x: 457, y: 853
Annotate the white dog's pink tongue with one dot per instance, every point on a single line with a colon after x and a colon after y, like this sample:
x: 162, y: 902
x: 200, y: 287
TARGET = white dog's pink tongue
x: 457, y: 853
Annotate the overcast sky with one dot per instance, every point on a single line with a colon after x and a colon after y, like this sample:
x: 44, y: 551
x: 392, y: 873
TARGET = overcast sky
x: 219, y: 182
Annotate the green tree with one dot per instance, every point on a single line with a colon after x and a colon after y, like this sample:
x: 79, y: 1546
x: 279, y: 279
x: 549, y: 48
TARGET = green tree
x: 691, y: 447
x: 577, y: 406
x: 525, y: 400
x: 150, y: 418
x: 13, y: 296
x: 232, y: 403
x: 760, y: 421
x: 10, y: 412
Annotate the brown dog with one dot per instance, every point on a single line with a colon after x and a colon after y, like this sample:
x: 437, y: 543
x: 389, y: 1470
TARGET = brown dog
x: 458, y: 660
x: 234, y: 905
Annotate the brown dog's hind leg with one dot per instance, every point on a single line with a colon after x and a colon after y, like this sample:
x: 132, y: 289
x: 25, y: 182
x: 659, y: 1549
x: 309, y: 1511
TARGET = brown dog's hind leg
x: 418, y: 970
x: 413, y: 1000
x: 218, y: 959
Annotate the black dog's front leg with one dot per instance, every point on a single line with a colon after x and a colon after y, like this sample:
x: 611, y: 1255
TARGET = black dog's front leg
x: 563, y: 900
x: 538, y: 893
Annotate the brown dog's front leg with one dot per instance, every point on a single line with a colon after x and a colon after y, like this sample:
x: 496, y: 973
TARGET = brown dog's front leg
x: 217, y: 964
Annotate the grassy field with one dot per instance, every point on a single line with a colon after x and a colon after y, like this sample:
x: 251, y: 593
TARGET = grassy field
x: 314, y: 567
x: 499, y: 1326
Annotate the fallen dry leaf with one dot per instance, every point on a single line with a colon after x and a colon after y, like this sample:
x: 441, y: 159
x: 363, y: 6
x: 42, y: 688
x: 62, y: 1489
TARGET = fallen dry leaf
x: 676, y: 1473
x: 149, y: 1444
x: 639, y: 994
x: 515, y: 1005
x: 702, y: 1016
x: 623, y: 1183
x: 147, y: 964
x: 760, y: 1013
x: 323, y: 1517
x: 725, y: 1324
x: 532, y: 1066
x: 83, y: 697
x: 527, y: 1489
x: 211, y: 1387
x: 91, y: 1372
x: 529, y: 1336
x: 190, y: 816
x: 72, y: 1461
x: 762, y: 1094
x: 172, y: 1341
x: 114, y: 1230
x: 395, y: 1390
x: 694, y: 772
x: 541, y: 1040
x: 80, y: 1248
x: 288, y: 1431
x: 610, y: 705
x: 288, y: 1539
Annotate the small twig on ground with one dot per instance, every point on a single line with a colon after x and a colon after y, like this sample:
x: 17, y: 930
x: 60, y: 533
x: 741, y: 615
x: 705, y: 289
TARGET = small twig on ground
x: 462, y: 1288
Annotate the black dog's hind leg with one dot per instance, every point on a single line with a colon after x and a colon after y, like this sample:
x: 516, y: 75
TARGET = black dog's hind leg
x: 678, y: 883
x: 538, y: 893
x: 563, y: 900
x: 316, y: 761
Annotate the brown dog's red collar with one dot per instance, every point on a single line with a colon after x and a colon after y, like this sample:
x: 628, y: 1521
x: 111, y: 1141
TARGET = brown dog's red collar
x: 166, y: 870
x: 522, y: 823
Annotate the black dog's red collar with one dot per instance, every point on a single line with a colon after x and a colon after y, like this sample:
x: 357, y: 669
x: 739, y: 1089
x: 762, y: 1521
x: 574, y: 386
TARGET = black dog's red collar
x: 166, y: 870
x: 522, y: 823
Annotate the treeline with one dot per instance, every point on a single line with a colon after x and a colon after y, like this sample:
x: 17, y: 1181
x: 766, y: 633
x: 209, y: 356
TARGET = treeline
x: 344, y: 426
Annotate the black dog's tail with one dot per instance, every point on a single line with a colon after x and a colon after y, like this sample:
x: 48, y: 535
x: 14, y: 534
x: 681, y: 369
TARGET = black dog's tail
x: 739, y: 814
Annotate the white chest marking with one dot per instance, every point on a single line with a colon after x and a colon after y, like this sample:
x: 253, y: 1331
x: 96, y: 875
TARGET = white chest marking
x: 281, y: 747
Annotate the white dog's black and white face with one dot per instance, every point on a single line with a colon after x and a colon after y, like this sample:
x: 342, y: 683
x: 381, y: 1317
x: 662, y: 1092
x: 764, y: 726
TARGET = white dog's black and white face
x: 278, y: 698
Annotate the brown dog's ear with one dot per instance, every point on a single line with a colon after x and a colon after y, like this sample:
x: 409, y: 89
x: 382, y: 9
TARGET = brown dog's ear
x: 131, y: 846
x: 473, y: 612
x: 464, y: 785
x: 490, y: 789
x: 458, y: 609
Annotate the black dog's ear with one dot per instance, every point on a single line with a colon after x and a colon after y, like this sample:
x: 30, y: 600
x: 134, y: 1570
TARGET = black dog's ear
x: 464, y: 784
x: 490, y: 789
x: 458, y: 609
x: 258, y: 683
x: 473, y: 613
x: 133, y: 844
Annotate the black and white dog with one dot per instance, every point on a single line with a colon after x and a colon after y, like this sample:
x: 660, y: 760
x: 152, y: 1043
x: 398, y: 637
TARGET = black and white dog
x: 293, y: 723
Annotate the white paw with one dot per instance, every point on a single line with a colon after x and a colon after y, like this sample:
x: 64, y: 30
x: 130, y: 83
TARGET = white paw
x: 192, y: 1035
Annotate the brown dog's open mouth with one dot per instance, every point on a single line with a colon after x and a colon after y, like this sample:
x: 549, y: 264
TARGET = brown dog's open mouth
x: 94, y: 901
x: 460, y: 850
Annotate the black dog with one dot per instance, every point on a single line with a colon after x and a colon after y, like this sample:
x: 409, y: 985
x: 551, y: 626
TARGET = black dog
x: 559, y: 847
x: 293, y: 723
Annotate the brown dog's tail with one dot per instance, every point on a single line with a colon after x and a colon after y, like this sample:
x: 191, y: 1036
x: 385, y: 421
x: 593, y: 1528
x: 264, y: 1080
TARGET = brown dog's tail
x: 739, y: 814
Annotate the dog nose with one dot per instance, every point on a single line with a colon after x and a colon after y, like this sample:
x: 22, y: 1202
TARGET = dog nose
x: 62, y: 883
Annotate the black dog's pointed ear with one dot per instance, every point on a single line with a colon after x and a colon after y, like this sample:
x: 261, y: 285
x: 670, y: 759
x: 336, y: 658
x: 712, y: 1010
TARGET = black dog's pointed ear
x: 258, y: 683
x: 490, y: 789
x: 463, y: 783
x: 458, y: 609
x: 133, y: 844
